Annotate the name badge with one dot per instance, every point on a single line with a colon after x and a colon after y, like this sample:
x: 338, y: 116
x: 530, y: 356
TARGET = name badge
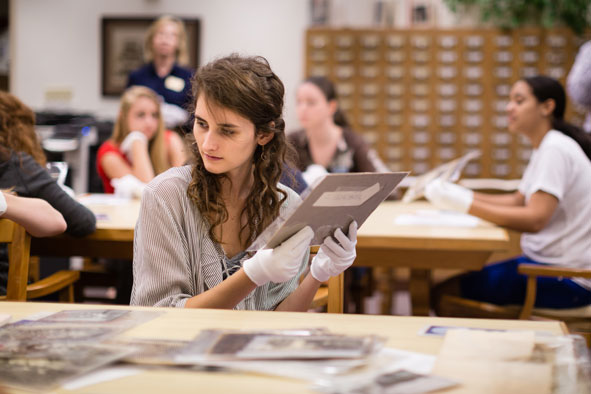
x: 174, y: 83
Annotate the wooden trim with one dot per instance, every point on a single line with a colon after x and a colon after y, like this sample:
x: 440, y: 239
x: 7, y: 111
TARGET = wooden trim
x: 336, y: 290
x: 530, y: 298
x: 545, y: 270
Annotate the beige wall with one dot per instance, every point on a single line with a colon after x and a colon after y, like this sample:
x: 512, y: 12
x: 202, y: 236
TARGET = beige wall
x: 55, y: 44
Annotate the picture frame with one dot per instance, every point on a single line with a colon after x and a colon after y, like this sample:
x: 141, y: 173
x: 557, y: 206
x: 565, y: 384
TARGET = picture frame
x: 122, y: 48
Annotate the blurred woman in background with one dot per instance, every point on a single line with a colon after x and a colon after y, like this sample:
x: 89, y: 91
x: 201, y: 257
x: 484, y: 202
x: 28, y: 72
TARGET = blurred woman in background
x: 165, y: 52
x: 139, y: 148
x: 326, y: 143
x: 551, y: 207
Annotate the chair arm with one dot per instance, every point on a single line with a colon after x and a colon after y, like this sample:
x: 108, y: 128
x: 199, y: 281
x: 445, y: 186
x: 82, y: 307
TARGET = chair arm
x: 553, y: 270
x: 52, y: 283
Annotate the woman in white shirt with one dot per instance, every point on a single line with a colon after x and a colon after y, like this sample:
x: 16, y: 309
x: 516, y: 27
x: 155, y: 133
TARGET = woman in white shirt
x: 552, y: 207
x: 196, y: 221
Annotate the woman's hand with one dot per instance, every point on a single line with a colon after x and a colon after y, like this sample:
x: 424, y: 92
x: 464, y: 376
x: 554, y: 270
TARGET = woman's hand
x: 334, y: 258
x: 130, y: 139
x: 280, y: 264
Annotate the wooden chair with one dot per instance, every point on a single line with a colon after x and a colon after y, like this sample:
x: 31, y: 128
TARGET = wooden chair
x: 330, y: 294
x: 19, y: 246
x: 578, y: 320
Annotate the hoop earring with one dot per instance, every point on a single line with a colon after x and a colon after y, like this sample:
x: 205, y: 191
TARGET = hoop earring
x: 263, y: 153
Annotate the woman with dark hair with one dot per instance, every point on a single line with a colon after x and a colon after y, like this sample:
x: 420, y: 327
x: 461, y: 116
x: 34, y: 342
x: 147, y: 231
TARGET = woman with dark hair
x: 327, y: 143
x: 551, y: 207
x: 197, y: 221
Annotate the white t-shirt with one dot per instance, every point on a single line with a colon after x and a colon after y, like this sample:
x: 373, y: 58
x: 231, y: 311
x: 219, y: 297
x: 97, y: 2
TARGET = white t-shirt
x: 560, y: 167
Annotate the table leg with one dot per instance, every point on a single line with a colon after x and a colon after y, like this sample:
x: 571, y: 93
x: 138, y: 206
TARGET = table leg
x: 383, y: 278
x: 419, y: 287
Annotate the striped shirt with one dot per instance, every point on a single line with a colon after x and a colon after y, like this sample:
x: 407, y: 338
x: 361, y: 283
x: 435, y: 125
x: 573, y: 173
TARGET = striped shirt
x: 174, y: 258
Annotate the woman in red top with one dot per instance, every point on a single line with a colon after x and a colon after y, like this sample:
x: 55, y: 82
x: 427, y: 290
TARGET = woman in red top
x: 140, y: 148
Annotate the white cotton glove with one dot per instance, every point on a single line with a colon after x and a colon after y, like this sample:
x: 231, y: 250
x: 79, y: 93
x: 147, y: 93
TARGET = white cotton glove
x: 3, y: 204
x: 313, y: 173
x: 130, y: 139
x: 282, y: 263
x: 173, y: 115
x: 332, y: 258
x: 128, y: 186
x: 447, y: 195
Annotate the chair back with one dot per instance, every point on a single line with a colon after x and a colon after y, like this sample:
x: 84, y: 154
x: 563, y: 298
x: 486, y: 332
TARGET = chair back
x: 19, y: 248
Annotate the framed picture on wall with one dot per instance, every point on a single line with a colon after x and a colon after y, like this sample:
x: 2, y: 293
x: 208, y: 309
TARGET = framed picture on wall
x: 122, y: 49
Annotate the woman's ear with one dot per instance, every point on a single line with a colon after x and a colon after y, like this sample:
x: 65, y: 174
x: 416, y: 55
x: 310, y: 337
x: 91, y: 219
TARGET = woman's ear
x: 265, y: 138
x: 548, y: 107
x: 333, y: 106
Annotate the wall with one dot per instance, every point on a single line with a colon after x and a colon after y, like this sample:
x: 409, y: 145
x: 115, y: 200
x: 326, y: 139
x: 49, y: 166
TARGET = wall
x: 55, y: 45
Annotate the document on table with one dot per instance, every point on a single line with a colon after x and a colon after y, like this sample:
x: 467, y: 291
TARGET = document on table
x: 433, y: 217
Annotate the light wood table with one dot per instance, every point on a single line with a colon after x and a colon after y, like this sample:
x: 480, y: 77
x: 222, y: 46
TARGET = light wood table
x: 183, y: 324
x: 382, y: 243
x: 113, y: 237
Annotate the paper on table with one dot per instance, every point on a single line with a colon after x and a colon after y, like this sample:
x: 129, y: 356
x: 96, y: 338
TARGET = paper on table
x: 492, y: 362
x: 4, y: 318
x: 102, y: 199
x: 486, y: 376
x: 432, y: 217
x: 102, y: 375
x: 509, y: 345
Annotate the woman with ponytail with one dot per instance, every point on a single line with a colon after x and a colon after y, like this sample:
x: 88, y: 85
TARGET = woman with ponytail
x: 552, y: 206
x: 197, y: 221
x: 327, y: 143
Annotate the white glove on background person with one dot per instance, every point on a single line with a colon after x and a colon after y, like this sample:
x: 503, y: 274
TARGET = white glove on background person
x: 173, y: 115
x: 130, y: 139
x: 282, y: 263
x: 313, y: 173
x: 332, y: 258
x: 447, y: 195
x: 128, y: 186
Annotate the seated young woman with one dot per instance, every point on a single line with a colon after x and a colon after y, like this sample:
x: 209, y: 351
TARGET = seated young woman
x: 196, y: 221
x: 22, y: 166
x: 551, y: 207
x: 139, y: 147
x: 327, y: 143
x: 23, y: 173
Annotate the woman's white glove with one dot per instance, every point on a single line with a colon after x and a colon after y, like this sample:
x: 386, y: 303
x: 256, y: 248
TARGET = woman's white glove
x: 332, y: 258
x: 313, y: 173
x: 130, y: 139
x: 173, y: 115
x: 128, y: 186
x: 282, y: 263
x: 447, y: 195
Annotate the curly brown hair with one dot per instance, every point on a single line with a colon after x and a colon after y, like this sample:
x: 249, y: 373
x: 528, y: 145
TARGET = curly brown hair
x: 248, y: 87
x: 17, y: 129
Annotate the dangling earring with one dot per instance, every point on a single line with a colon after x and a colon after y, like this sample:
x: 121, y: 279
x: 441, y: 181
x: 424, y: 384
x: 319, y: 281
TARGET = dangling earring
x: 263, y: 153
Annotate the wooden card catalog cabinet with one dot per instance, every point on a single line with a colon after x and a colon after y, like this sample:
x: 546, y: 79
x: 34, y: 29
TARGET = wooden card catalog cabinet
x: 423, y: 97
